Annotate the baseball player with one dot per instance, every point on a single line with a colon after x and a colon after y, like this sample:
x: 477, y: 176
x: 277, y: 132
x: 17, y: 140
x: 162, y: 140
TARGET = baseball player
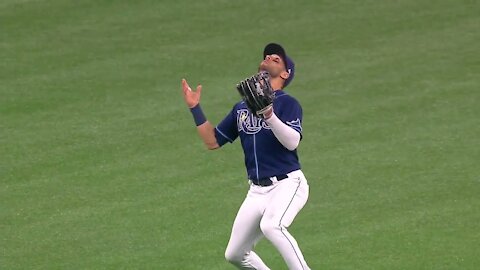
x: 268, y: 122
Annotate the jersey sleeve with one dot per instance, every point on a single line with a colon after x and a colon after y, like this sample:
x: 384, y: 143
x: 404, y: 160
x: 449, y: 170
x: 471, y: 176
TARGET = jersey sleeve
x: 291, y: 113
x: 227, y: 130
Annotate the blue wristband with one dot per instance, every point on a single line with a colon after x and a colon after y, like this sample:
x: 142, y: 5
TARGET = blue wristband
x: 198, y: 115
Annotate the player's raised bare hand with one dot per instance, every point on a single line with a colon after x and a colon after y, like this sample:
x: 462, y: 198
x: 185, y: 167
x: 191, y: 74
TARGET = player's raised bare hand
x: 192, y: 98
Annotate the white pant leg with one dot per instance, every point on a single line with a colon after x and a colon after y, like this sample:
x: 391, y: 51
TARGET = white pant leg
x: 246, y: 233
x: 286, y: 200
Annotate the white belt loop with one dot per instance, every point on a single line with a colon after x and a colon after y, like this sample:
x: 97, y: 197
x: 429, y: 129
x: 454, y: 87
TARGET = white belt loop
x: 274, y: 179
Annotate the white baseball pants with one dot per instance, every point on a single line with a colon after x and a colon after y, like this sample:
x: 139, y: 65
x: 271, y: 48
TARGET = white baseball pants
x: 269, y: 211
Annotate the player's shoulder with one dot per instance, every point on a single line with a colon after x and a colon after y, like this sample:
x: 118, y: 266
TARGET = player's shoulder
x: 284, y: 97
x: 239, y: 106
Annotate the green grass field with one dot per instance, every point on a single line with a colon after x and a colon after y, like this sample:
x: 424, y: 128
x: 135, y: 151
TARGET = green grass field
x: 101, y: 166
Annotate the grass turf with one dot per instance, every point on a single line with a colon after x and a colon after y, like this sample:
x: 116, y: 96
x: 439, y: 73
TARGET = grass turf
x: 101, y: 167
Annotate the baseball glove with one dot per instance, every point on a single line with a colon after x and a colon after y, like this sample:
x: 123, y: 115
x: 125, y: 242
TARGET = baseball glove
x: 257, y: 93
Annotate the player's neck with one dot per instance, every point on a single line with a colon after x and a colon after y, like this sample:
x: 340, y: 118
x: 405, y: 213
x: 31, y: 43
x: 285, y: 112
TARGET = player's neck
x: 276, y: 85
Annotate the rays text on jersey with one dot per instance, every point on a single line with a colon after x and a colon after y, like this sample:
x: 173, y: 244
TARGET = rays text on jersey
x: 249, y: 123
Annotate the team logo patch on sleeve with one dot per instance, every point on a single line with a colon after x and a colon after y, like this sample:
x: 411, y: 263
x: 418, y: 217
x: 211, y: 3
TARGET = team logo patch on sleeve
x: 295, y: 124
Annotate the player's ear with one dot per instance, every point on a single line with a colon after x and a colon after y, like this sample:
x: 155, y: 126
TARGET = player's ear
x: 284, y: 75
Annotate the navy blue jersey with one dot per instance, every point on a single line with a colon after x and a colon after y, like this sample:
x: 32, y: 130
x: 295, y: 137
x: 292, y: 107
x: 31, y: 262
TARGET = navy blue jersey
x: 265, y: 156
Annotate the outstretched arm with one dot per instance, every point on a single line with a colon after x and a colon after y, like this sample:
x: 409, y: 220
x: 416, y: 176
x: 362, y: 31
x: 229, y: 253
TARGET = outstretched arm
x: 207, y: 133
x: 204, y: 128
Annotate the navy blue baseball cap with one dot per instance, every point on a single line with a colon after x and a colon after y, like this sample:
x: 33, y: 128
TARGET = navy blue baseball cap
x: 274, y: 48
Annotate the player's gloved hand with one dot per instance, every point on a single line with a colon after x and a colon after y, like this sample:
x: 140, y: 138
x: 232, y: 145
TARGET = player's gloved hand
x: 257, y: 94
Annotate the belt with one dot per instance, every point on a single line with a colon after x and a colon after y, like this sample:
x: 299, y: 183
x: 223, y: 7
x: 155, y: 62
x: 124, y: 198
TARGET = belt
x: 268, y: 181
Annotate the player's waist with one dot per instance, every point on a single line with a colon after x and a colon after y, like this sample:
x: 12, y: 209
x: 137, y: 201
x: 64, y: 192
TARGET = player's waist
x: 268, y: 181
